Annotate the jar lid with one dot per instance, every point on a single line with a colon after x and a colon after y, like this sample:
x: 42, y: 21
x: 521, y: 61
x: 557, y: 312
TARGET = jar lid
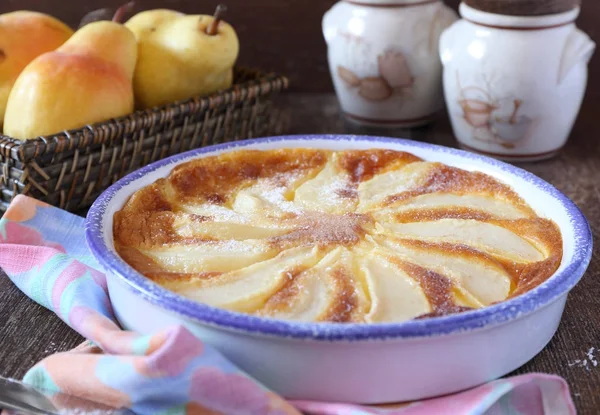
x: 524, y: 7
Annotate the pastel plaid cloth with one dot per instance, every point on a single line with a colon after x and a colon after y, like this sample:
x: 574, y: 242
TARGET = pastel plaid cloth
x: 43, y: 251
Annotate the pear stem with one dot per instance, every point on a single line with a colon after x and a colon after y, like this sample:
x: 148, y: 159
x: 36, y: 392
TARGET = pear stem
x: 122, y: 11
x: 219, y: 12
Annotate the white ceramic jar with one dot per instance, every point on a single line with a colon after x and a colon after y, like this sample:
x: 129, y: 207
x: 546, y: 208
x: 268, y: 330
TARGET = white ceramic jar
x: 514, y: 84
x: 383, y: 58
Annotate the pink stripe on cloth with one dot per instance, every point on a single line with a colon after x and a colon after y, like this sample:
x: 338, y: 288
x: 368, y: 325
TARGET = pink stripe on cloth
x: 234, y: 392
x: 88, y: 322
x: 18, y: 259
x: 99, y: 278
x: 531, y: 394
x: 105, y: 332
x: 72, y: 272
x: 17, y: 234
x: 170, y: 353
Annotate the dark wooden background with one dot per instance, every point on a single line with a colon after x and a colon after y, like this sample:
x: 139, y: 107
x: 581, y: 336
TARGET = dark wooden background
x: 283, y: 36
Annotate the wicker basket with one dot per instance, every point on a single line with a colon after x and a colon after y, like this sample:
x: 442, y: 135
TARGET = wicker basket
x: 72, y: 168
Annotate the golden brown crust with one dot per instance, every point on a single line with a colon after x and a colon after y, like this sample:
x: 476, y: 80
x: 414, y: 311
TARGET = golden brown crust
x: 216, y: 179
x: 158, y: 217
x: 362, y: 165
x: 346, y: 304
x: 144, y: 229
x: 285, y: 295
x: 545, y: 235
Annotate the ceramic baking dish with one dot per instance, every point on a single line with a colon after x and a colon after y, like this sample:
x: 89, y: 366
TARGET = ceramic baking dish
x: 359, y: 363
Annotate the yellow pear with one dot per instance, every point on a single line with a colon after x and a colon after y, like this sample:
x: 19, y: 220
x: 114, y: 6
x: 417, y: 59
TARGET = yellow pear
x: 24, y: 35
x: 181, y: 56
x: 85, y: 81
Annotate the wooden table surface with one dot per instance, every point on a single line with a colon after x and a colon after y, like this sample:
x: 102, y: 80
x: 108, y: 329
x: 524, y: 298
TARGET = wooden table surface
x: 29, y: 332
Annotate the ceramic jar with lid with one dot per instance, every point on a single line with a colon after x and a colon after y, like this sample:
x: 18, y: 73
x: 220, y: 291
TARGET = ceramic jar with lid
x: 514, y: 84
x: 383, y: 58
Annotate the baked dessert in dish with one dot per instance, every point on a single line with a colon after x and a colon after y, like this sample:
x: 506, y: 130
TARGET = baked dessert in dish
x: 363, y: 236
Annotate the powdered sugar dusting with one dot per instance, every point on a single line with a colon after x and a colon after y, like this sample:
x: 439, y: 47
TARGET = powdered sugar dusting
x: 51, y: 348
x: 324, y: 229
x: 588, y: 362
x: 591, y: 357
x: 275, y: 195
x: 215, y: 212
x: 343, y: 189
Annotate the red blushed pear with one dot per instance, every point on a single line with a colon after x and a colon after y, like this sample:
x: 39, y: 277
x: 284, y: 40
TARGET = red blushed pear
x: 181, y: 56
x: 25, y: 35
x: 85, y: 81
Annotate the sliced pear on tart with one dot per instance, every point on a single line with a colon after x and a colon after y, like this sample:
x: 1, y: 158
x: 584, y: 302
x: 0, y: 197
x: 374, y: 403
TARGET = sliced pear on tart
x: 498, y: 208
x: 247, y: 288
x: 210, y: 256
x: 478, y: 274
x: 329, y: 291
x: 395, y: 295
x: 331, y: 191
x: 483, y: 236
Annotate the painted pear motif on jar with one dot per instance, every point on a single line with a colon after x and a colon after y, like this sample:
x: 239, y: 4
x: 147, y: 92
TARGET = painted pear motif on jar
x: 383, y: 59
x: 510, y: 91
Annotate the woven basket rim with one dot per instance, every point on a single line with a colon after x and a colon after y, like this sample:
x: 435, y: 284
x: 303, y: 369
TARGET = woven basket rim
x: 264, y: 84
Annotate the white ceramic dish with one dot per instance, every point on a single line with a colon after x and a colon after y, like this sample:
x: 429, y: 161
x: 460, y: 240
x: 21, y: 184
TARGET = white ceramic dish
x: 359, y: 363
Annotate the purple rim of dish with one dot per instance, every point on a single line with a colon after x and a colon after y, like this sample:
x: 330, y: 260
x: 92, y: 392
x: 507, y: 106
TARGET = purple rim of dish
x: 558, y: 285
